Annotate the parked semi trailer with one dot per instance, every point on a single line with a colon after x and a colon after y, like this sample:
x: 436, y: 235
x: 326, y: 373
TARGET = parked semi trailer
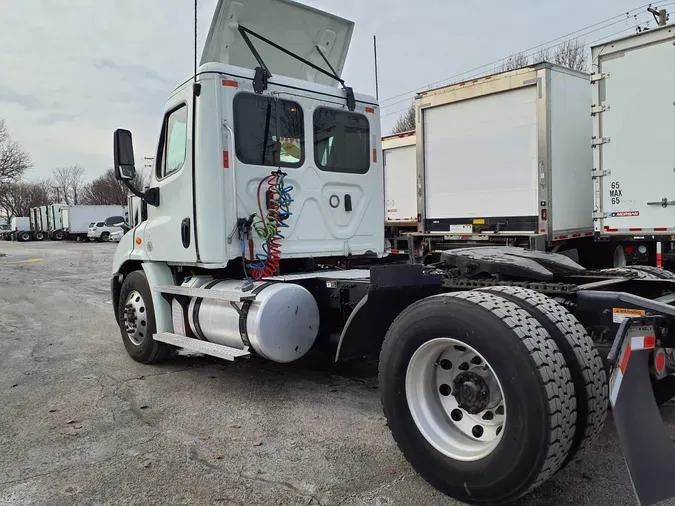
x: 76, y: 219
x: 634, y: 210
x: 263, y: 235
x: 400, y: 189
x: 505, y: 160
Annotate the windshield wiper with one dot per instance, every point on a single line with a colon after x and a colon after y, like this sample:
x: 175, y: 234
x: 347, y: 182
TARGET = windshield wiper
x: 262, y: 73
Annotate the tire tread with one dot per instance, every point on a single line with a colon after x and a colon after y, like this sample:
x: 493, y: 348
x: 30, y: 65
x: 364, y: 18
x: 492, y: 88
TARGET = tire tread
x: 592, y: 376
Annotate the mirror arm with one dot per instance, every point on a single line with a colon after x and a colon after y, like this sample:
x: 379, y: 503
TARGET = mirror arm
x: 151, y: 195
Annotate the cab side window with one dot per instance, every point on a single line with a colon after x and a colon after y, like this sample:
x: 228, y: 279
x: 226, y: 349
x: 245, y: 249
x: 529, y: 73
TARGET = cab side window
x: 174, y: 142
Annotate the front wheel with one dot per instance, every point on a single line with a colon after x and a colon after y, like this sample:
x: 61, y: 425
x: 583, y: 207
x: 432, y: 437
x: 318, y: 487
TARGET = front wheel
x: 137, y: 320
x: 105, y: 236
x: 477, y: 396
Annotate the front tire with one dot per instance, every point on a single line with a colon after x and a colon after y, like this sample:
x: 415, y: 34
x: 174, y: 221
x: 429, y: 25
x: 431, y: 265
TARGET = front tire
x: 105, y: 236
x: 137, y: 320
x: 538, y: 394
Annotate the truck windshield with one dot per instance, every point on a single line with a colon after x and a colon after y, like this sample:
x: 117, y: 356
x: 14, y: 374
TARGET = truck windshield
x: 341, y: 141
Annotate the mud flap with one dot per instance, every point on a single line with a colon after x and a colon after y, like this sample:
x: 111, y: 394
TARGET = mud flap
x: 648, y: 450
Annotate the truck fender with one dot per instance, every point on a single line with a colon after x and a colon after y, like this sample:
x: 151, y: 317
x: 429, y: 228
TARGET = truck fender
x: 157, y: 274
x: 393, y: 288
x: 356, y: 324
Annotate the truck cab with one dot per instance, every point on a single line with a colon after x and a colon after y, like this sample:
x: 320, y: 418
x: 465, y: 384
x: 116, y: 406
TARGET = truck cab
x: 248, y: 114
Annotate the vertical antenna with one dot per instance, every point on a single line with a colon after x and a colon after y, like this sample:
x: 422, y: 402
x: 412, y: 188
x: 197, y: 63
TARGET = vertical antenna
x: 377, y: 87
x: 195, y: 41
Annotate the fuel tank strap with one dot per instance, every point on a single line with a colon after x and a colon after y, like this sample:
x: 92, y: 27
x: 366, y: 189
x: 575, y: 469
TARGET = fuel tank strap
x: 243, y: 312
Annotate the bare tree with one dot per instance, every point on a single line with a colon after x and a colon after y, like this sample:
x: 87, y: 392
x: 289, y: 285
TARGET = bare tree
x: 107, y: 190
x: 68, y: 184
x: 515, y: 61
x: 572, y: 54
x: 406, y: 122
x: 16, y: 199
x: 14, y: 161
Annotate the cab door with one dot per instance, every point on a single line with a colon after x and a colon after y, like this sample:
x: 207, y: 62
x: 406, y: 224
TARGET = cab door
x: 169, y: 233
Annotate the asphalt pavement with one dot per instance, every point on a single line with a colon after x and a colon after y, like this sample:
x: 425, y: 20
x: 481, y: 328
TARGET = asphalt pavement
x: 83, y: 424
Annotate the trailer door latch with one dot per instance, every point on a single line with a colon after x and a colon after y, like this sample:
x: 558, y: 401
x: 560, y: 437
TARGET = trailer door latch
x: 598, y: 141
x: 599, y: 77
x: 597, y: 109
x: 664, y: 202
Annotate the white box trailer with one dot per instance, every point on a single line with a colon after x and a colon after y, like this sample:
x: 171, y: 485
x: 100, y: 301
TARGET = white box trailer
x: 399, y: 158
x: 507, y: 156
x: 78, y: 218
x: 633, y: 151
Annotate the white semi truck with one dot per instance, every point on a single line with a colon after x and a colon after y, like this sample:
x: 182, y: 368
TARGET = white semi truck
x: 36, y: 224
x: 19, y: 229
x: 56, y: 221
x: 261, y: 232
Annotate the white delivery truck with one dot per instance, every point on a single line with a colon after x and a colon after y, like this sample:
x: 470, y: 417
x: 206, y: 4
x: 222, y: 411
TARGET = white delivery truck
x: 77, y: 219
x: 20, y: 229
x: 400, y: 189
x: 55, y: 221
x: 633, y: 112
x: 262, y: 233
x: 505, y: 159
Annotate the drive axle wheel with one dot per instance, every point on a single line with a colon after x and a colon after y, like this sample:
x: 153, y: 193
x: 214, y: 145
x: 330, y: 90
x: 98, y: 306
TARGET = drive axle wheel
x: 477, y: 395
x: 455, y: 399
x: 137, y: 320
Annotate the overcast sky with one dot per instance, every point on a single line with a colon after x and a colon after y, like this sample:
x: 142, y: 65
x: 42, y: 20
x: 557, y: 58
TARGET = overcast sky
x: 71, y: 71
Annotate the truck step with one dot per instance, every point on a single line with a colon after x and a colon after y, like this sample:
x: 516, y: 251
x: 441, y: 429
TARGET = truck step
x: 225, y: 295
x: 203, y: 347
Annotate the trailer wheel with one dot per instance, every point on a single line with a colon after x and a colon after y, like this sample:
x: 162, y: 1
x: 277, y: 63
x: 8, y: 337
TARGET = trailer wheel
x: 584, y: 361
x: 657, y: 272
x: 137, y: 320
x: 477, y: 396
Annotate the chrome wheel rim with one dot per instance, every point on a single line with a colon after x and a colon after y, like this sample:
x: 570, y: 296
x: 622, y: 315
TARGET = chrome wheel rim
x: 455, y: 399
x: 135, y: 318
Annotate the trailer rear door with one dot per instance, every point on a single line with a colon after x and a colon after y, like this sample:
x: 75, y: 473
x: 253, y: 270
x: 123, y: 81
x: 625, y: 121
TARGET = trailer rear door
x: 634, y: 129
x: 480, y: 157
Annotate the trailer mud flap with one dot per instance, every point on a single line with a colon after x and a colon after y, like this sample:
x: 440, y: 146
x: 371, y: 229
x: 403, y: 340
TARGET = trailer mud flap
x: 648, y: 450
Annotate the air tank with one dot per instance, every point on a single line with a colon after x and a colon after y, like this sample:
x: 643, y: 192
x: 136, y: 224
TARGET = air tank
x: 281, y: 324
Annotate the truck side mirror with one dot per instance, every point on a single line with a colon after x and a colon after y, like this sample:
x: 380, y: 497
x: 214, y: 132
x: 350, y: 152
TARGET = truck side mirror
x: 125, y: 166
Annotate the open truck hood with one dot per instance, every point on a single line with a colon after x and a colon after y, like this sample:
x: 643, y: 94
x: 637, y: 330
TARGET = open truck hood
x: 294, y: 26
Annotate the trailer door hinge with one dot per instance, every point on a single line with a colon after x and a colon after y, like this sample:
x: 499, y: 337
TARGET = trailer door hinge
x: 601, y: 140
x: 597, y: 109
x: 600, y: 173
x: 599, y: 77
x: 599, y: 216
